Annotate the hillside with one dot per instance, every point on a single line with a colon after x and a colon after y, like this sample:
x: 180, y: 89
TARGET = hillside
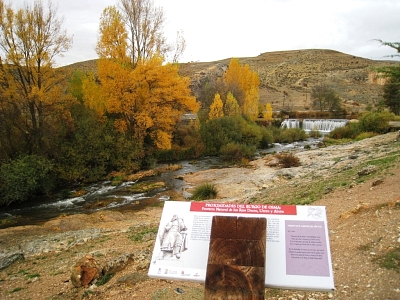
x: 287, y: 77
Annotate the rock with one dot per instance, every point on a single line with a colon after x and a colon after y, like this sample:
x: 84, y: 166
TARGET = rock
x: 6, y: 260
x: 367, y: 170
x: 117, y: 264
x: 85, y: 271
x: 377, y: 182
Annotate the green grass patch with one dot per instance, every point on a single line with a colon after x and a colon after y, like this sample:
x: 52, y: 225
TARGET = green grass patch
x: 204, y: 191
x: 16, y: 290
x: 30, y: 276
x: 137, y: 234
x: 390, y: 260
x: 104, y: 279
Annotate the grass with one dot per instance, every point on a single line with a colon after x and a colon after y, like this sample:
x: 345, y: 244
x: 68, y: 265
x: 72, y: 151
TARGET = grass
x: 138, y: 236
x: 104, y: 279
x: 16, y: 290
x: 30, y: 276
x: 390, y: 260
x: 205, y: 191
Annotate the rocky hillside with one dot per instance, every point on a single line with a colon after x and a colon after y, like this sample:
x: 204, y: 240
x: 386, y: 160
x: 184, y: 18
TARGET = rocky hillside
x: 287, y: 77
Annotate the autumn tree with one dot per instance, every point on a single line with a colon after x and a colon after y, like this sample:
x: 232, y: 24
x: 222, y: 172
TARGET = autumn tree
x: 216, y: 108
x: 145, y: 23
x: 33, y: 99
x: 112, y: 43
x: 268, y: 112
x: 231, y: 107
x: 243, y: 83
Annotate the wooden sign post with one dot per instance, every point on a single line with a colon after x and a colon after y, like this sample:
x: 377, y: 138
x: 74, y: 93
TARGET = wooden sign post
x: 236, y: 259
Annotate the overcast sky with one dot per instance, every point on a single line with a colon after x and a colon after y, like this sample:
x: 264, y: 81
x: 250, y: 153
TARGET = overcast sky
x: 219, y: 29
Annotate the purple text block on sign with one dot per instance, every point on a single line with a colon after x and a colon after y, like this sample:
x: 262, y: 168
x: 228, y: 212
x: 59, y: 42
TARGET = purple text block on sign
x: 306, y: 249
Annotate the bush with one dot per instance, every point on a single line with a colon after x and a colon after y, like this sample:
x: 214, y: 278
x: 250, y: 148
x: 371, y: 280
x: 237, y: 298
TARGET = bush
x: 314, y: 134
x: 25, y: 177
x: 365, y: 135
x: 235, y: 152
x: 350, y: 131
x: 290, y: 135
x: 219, y: 132
x: 205, y: 191
x: 375, y: 122
x: 288, y: 160
x: 267, y: 138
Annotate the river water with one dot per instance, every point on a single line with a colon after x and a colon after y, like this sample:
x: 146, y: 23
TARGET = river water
x: 103, y: 195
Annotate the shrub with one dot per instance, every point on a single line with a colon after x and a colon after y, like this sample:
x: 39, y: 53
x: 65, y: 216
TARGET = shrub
x: 290, y: 135
x: 267, y: 138
x: 288, y: 160
x: 350, y: 131
x: 219, y: 132
x: 365, y: 135
x: 235, y: 152
x: 314, y: 134
x: 205, y: 191
x: 24, y: 177
x: 375, y: 121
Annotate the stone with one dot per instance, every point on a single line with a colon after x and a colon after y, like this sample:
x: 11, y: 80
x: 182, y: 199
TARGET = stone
x: 6, y: 260
x: 367, y: 170
x: 85, y: 271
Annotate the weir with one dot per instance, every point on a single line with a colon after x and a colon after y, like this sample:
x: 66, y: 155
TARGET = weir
x: 321, y: 125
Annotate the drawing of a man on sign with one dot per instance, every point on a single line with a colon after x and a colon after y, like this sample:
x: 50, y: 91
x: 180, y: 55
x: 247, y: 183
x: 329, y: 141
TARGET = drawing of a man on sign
x: 173, y: 238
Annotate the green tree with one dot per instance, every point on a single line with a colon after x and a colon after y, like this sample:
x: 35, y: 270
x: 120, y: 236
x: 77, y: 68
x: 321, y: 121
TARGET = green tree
x: 325, y: 98
x: 24, y: 177
x: 391, y: 91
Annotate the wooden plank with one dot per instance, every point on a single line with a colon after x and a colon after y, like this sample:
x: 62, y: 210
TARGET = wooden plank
x: 236, y: 259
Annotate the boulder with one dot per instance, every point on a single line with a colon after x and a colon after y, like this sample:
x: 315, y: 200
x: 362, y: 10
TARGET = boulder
x: 85, y: 271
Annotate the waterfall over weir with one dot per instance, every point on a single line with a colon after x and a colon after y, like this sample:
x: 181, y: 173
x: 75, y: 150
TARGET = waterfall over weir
x: 321, y: 125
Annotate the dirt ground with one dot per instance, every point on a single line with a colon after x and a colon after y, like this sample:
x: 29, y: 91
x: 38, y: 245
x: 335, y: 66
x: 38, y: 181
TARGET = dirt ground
x: 363, y: 221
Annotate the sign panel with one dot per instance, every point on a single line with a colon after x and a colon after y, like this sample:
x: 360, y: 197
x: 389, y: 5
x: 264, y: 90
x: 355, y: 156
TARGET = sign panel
x: 297, y: 243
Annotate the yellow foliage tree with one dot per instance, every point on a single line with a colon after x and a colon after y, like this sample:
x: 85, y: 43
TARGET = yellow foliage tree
x: 268, y: 112
x: 216, y: 108
x: 145, y: 96
x: 244, y: 84
x: 250, y: 105
x: 149, y: 99
x: 112, y: 43
x: 30, y: 39
x: 231, y: 106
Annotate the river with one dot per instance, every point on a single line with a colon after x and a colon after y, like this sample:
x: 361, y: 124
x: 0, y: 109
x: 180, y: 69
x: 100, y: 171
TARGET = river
x: 103, y: 195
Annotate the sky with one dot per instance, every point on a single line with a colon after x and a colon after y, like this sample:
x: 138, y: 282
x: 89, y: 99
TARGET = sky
x: 220, y: 29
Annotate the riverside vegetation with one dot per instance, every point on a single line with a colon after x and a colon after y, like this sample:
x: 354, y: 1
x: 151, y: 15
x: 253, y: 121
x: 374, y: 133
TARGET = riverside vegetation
x: 357, y: 181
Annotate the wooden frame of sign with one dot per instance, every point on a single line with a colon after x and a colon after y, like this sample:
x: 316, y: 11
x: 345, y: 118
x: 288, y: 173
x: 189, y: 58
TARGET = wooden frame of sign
x: 236, y: 259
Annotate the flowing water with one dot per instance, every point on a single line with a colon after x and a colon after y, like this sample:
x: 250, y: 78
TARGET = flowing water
x: 324, y: 126
x: 103, y: 195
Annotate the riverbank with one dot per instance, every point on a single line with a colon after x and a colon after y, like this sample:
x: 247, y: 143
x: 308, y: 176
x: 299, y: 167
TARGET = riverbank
x: 363, y: 218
